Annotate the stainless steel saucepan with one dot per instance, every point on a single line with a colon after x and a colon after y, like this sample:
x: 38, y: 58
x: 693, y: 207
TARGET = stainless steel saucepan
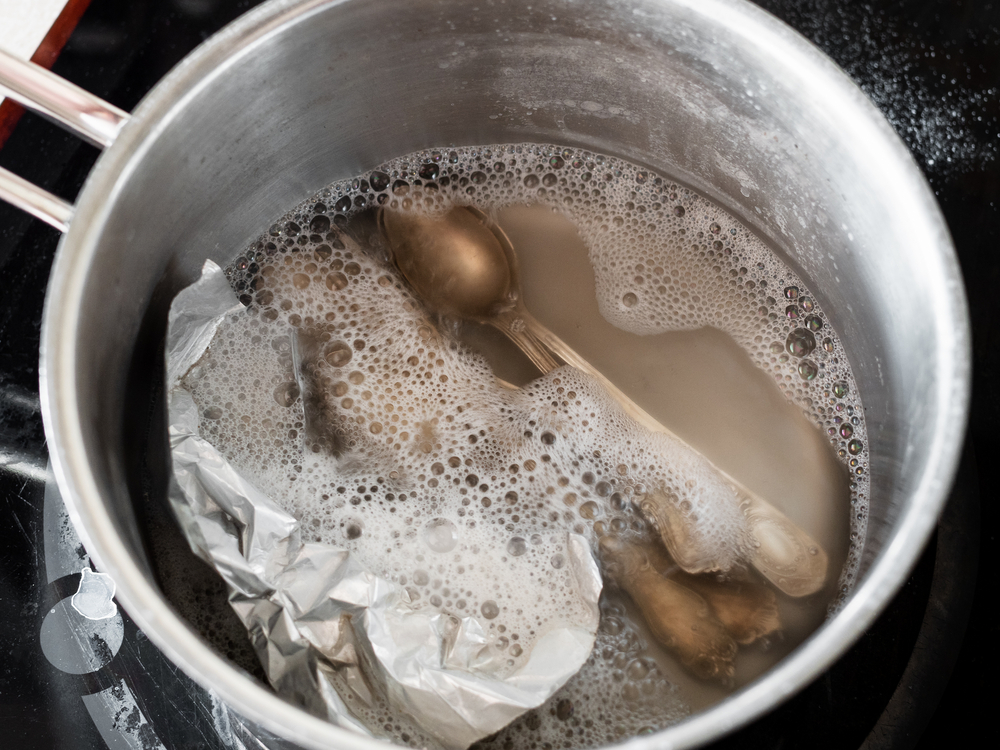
x: 298, y: 93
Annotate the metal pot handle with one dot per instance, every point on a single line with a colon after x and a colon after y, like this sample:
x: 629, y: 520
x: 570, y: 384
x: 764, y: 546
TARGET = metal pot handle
x: 67, y: 105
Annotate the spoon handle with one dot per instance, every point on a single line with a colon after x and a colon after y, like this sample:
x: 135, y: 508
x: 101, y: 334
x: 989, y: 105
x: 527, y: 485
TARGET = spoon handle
x: 784, y: 553
x: 562, y: 350
x: 522, y: 329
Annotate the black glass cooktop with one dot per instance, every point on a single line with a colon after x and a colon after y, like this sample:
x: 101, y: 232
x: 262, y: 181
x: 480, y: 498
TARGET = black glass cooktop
x: 925, y: 667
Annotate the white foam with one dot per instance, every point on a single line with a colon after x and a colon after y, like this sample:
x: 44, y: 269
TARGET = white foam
x: 405, y: 449
x: 394, y: 441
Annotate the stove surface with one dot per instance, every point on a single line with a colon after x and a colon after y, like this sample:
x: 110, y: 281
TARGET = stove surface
x: 71, y: 681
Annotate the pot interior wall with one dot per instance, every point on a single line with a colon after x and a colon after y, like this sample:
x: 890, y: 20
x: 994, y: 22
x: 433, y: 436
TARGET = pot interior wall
x: 338, y: 90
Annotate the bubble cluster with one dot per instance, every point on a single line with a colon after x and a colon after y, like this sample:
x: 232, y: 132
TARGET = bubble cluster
x: 619, y: 692
x: 382, y: 435
x: 341, y: 398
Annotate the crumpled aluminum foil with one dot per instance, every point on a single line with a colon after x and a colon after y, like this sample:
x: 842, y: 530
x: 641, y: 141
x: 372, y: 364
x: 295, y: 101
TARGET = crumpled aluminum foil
x: 316, y: 618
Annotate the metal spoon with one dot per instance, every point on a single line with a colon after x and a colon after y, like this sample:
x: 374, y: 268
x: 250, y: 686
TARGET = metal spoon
x: 459, y: 266
x: 462, y: 264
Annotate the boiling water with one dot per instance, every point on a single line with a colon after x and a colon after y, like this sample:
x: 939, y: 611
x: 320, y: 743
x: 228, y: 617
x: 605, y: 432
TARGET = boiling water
x: 396, y: 441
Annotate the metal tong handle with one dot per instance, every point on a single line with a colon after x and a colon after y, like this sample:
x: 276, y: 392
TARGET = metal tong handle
x: 67, y: 105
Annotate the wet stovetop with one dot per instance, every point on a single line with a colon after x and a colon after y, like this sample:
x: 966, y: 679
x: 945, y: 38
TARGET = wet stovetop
x: 933, y: 67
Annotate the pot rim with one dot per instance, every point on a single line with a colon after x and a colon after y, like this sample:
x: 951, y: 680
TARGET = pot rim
x: 171, y: 633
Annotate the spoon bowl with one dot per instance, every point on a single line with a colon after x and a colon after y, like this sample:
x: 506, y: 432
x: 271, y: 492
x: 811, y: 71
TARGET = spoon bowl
x: 454, y: 262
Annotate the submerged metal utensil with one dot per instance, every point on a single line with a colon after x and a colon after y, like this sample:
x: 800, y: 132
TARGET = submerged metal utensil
x: 460, y: 263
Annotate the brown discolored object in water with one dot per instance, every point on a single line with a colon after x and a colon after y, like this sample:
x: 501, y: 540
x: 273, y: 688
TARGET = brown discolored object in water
x: 311, y: 364
x: 748, y: 609
x: 661, y: 510
x: 680, y: 619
